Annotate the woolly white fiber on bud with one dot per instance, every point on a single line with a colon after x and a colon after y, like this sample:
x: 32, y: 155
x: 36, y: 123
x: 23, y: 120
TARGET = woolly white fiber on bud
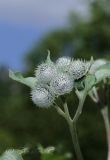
x: 42, y: 97
x: 96, y: 65
x: 63, y: 63
x: 62, y: 84
x: 45, y: 72
x: 78, y: 69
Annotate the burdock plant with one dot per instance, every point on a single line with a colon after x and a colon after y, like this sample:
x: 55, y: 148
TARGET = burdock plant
x: 57, y: 80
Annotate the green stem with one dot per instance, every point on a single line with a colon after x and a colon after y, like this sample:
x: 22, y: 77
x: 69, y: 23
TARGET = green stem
x: 105, y: 116
x: 59, y: 110
x: 72, y: 128
x: 94, y: 94
x: 72, y: 122
x: 80, y: 106
x: 75, y: 141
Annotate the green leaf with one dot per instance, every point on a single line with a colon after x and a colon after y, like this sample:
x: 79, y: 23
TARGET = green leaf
x: 103, y: 72
x: 90, y: 81
x: 94, y: 94
x: 47, y: 150
x: 17, y: 76
x: 11, y: 155
x: 48, y: 57
x: 48, y: 60
x: 84, y: 86
x: 50, y: 154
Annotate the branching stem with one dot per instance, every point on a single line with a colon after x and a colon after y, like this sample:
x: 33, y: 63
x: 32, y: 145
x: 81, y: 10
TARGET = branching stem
x: 72, y: 123
x: 105, y: 116
x: 80, y: 107
x: 72, y: 128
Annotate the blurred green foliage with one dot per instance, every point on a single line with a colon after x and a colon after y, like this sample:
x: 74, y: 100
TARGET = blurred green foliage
x: 46, y: 154
x: 49, y: 154
x: 23, y: 124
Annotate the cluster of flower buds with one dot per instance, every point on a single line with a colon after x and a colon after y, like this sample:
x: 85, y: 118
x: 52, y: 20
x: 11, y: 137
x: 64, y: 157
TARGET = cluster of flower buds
x: 56, y: 79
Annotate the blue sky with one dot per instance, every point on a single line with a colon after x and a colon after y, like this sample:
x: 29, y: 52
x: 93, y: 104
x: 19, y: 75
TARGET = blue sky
x: 24, y: 22
x: 14, y: 43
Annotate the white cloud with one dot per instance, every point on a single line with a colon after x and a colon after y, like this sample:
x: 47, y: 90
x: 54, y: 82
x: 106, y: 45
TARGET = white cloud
x: 40, y: 13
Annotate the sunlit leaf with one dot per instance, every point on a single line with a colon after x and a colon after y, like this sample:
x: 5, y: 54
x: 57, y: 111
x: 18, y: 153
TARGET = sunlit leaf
x: 50, y: 154
x: 103, y: 72
x: 17, y: 76
x: 94, y: 94
x: 47, y: 150
x: 90, y: 81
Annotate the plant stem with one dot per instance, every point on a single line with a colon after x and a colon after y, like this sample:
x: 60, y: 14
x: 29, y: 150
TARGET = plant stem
x: 72, y: 122
x: 72, y: 128
x: 94, y: 94
x: 105, y: 116
x: 59, y: 110
x: 80, y: 106
x: 75, y: 141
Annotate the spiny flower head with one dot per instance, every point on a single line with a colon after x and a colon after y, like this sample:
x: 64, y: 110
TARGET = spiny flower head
x: 42, y: 97
x: 63, y: 63
x: 62, y: 84
x: 78, y: 69
x: 97, y: 64
x: 46, y: 71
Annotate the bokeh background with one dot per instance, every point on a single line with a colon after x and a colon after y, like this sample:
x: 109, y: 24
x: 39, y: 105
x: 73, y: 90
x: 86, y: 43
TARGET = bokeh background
x: 67, y: 28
